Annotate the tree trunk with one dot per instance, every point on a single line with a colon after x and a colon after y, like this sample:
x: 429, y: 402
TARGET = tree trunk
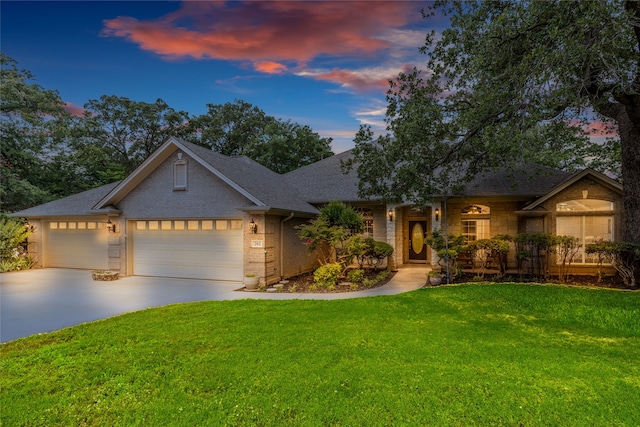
x: 630, y: 144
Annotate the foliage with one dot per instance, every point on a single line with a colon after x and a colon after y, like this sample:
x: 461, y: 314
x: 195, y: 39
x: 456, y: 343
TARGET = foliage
x: 13, y: 236
x: 328, y: 233
x: 534, y: 248
x: 327, y: 275
x: 32, y: 120
x: 481, y: 250
x: 623, y: 256
x: 567, y: 248
x: 340, y: 215
x: 21, y: 262
x: 448, y: 249
x: 392, y: 360
x: 126, y: 132
x: 240, y: 128
x: 366, y: 249
x: 510, y: 82
x: 355, y: 275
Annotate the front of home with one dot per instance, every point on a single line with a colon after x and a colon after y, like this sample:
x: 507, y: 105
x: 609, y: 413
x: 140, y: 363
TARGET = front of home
x: 188, y: 212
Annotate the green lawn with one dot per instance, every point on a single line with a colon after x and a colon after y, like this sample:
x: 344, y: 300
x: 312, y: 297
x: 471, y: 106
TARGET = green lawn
x: 508, y: 354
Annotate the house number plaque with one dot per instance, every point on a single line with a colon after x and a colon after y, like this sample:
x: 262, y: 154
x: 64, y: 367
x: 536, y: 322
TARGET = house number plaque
x: 257, y: 243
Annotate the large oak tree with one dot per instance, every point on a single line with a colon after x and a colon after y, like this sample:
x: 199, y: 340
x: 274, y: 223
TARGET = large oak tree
x: 512, y: 81
x: 240, y: 128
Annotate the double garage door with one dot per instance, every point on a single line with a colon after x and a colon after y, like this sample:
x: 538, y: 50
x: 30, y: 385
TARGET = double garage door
x: 76, y: 244
x: 191, y: 249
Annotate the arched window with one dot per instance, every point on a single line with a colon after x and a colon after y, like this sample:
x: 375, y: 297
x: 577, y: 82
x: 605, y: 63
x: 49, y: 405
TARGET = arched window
x: 590, y: 220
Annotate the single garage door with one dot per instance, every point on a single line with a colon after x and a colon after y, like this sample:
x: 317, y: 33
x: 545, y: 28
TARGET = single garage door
x: 191, y: 249
x: 76, y: 244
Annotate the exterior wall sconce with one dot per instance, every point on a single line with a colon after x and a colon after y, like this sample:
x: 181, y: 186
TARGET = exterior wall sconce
x: 437, y: 214
x: 253, y: 227
x: 390, y: 214
x: 111, y: 227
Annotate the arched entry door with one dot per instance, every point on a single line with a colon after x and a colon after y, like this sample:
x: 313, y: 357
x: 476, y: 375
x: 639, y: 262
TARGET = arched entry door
x: 417, y: 240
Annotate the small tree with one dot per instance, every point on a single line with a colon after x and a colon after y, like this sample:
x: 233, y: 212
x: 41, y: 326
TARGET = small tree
x: 568, y: 248
x: 622, y: 256
x: 328, y: 232
x: 536, y: 249
x: 448, y: 250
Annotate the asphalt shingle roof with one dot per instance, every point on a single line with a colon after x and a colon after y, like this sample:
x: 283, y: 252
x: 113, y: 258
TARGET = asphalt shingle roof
x: 77, y: 204
x: 267, y: 186
x: 323, y: 181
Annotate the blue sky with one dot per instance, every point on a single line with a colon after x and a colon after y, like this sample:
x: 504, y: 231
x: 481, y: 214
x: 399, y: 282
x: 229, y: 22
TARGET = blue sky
x: 322, y: 64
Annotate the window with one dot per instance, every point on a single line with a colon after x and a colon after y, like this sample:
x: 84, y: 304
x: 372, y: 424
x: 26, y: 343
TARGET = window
x: 367, y: 219
x: 179, y: 174
x: 588, y: 228
x: 478, y: 227
x: 475, y: 229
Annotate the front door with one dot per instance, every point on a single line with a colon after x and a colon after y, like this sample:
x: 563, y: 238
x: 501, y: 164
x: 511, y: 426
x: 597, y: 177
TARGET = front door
x: 417, y: 244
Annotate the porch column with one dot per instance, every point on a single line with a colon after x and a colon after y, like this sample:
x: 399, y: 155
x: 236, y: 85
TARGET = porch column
x: 436, y: 225
x: 392, y: 233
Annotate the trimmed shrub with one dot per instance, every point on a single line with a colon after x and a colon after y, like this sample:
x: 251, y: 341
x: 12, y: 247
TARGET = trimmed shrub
x: 355, y: 276
x: 327, y: 275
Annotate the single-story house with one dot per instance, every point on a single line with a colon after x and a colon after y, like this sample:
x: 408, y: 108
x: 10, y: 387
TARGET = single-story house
x: 189, y: 212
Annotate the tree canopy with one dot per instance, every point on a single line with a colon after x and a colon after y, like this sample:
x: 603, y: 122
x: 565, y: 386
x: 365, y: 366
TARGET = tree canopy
x: 240, y: 128
x: 32, y: 127
x: 512, y: 81
x: 46, y: 153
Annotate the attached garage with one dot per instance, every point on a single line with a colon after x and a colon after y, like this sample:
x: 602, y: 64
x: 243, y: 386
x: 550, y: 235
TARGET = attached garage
x: 76, y: 244
x: 210, y: 249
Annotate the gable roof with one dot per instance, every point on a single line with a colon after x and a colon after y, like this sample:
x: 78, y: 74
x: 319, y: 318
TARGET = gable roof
x: 263, y: 187
x: 265, y: 190
x: 572, y: 179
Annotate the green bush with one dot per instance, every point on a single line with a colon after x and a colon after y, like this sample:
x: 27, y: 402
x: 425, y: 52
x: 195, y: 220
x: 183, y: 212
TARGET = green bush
x: 13, y: 235
x: 327, y: 275
x: 16, y: 263
x: 622, y: 256
x: 355, y: 276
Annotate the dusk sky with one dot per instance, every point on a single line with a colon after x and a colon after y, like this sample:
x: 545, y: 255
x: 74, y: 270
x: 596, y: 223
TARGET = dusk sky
x: 322, y: 64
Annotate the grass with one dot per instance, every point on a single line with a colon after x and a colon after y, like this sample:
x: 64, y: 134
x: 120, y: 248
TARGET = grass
x: 467, y: 355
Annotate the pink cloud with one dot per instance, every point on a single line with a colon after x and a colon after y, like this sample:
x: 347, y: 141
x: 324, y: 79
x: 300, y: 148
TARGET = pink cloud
x: 358, y: 81
x: 270, y: 67
x: 267, y: 30
x: 74, y: 110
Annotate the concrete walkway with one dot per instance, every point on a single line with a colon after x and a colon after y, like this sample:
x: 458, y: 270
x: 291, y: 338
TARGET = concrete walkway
x: 44, y: 300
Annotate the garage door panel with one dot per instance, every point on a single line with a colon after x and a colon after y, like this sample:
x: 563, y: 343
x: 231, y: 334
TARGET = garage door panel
x: 72, y: 247
x: 195, y: 254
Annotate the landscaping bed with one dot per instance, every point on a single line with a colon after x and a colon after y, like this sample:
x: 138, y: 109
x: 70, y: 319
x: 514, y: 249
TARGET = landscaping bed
x: 304, y: 283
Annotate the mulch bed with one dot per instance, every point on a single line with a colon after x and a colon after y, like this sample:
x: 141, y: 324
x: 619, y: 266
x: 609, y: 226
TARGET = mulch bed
x: 610, y: 282
x: 303, y: 283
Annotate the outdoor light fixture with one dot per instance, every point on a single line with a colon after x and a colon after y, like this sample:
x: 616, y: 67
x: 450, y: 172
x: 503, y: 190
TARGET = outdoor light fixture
x: 253, y: 227
x: 437, y: 213
x: 111, y: 227
x: 390, y: 213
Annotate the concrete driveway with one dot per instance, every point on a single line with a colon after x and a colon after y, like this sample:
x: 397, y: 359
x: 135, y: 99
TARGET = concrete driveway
x: 49, y: 299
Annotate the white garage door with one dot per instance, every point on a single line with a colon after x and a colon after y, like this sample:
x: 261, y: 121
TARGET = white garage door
x: 191, y: 249
x: 76, y: 244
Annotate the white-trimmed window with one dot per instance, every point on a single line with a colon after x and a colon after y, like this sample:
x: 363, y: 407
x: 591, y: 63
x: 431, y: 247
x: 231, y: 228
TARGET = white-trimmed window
x: 596, y: 224
x: 475, y: 229
x: 475, y: 222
